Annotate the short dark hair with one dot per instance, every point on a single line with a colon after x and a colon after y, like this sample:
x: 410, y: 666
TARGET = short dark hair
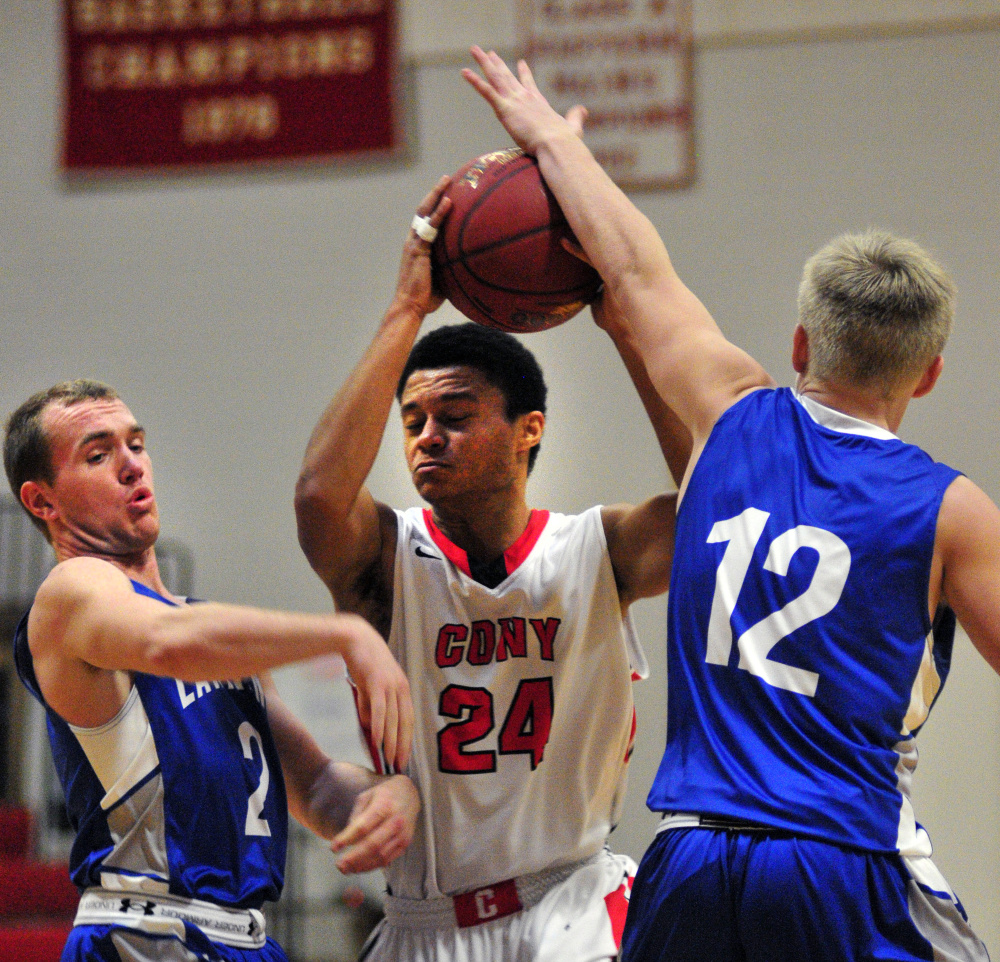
x: 500, y: 357
x: 27, y: 455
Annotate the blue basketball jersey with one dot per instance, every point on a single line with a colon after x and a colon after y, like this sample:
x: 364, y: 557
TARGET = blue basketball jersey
x: 801, y: 657
x: 197, y: 809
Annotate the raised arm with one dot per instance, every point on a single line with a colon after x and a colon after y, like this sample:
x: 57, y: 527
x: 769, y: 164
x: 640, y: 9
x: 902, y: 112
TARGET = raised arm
x: 346, y: 535
x: 671, y: 433
x: 690, y: 363
x: 641, y: 537
x: 88, y: 629
x: 368, y: 818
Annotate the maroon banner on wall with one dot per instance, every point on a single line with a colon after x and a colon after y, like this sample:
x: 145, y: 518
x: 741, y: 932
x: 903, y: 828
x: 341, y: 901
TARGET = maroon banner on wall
x: 158, y: 85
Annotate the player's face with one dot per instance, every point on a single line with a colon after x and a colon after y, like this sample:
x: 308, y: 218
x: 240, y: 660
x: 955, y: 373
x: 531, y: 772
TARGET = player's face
x: 102, y: 493
x: 457, y: 438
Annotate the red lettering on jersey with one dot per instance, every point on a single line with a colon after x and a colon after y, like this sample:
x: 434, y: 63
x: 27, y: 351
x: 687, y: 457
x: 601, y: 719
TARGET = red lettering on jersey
x: 450, y: 645
x: 482, y: 643
x: 512, y: 639
x: 474, y: 708
x: 546, y: 632
x: 526, y: 728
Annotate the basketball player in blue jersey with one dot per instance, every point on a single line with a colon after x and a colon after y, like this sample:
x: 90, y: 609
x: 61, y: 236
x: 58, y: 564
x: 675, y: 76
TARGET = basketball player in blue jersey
x: 511, y: 622
x: 178, y: 759
x: 820, y: 563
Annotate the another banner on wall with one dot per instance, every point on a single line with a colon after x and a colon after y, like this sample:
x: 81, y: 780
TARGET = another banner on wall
x: 630, y: 63
x: 167, y: 85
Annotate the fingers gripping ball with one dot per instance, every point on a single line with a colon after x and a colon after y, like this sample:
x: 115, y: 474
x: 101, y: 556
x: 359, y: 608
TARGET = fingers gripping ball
x: 498, y: 257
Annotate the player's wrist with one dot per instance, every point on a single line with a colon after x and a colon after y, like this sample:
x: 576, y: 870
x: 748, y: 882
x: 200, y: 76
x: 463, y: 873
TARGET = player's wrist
x: 555, y: 139
x: 405, y: 310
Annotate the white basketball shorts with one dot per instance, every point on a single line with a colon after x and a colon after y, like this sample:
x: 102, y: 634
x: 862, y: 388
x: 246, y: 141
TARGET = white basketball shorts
x: 578, y: 918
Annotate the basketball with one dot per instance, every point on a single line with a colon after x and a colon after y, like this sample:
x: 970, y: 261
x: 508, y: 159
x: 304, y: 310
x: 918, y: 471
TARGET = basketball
x: 498, y: 256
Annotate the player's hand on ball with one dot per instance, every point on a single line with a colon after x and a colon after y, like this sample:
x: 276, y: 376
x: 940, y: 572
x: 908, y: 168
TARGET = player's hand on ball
x: 380, y: 827
x: 383, y: 695
x: 519, y: 105
x: 414, y: 287
x: 608, y: 316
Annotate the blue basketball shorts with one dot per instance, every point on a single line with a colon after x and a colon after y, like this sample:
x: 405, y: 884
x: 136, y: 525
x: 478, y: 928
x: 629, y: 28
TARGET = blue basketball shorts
x: 114, y: 943
x: 716, y: 895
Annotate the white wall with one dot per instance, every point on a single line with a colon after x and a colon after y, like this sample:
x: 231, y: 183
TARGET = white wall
x: 228, y: 308
x: 432, y: 29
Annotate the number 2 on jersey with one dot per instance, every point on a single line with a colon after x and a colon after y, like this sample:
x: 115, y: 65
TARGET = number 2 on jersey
x: 525, y: 730
x: 741, y: 535
x: 255, y: 824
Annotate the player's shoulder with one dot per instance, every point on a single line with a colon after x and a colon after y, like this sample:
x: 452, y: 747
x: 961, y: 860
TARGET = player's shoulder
x: 77, y: 578
x: 72, y: 587
x: 966, y: 509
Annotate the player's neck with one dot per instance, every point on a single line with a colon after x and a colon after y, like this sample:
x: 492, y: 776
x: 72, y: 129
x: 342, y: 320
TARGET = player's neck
x: 870, y: 406
x: 485, y: 531
x: 140, y: 566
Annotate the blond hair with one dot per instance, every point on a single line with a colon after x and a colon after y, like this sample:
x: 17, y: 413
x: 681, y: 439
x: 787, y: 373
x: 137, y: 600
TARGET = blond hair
x: 877, y: 310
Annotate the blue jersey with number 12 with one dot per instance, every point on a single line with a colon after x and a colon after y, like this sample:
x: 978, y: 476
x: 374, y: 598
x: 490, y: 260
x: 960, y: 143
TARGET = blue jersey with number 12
x: 802, y: 659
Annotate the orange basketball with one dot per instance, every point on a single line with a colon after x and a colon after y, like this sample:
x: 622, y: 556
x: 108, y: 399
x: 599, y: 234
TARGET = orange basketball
x: 499, y: 258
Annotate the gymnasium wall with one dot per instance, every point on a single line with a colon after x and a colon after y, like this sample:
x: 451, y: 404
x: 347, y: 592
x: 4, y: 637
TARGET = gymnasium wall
x: 228, y: 308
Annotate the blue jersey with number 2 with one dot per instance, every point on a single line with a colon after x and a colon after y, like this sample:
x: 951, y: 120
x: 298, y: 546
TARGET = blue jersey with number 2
x: 199, y: 807
x: 802, y: 659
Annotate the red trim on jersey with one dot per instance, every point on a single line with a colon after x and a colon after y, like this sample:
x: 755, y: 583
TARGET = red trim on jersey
x: 378, y: 760
x: 451, y: 551
x: 617, y: 903
x: 513, y: 557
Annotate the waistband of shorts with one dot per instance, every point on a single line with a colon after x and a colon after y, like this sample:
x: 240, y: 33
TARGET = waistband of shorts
x: 722, y: 823
x: 166, y: 915
x: 481, y: 905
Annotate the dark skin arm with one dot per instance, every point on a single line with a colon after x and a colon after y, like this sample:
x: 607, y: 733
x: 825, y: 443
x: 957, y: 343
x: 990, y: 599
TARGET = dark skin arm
x: 348, y: 536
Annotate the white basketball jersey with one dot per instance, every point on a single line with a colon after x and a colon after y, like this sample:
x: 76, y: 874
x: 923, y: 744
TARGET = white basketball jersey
x: 523, y: 701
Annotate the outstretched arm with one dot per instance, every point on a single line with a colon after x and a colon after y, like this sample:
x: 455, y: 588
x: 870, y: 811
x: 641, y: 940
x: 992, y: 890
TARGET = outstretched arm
x: 691, y: 364
x: 88, y: 629
x: 368, y: 818
x: 346, y: 535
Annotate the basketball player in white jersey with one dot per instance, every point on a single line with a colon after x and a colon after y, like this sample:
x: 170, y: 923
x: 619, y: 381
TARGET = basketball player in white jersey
x: 170, y: 749
x: 820, y: 563
x: 512, y: 625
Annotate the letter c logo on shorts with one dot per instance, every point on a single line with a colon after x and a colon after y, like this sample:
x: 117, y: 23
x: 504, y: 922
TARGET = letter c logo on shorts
x: 486, y: 906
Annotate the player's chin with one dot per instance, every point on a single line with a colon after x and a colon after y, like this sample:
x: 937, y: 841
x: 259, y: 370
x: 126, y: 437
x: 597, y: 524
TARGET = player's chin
x: 430, y: 483
x: 143, y: 534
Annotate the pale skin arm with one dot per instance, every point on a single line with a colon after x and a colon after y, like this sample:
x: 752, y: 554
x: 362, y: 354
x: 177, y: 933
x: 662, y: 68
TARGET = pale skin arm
x: 691, y: 364
x: 348, y: 537
x: 967, y: 565
x: 368, y: 818
x: 88, y: 630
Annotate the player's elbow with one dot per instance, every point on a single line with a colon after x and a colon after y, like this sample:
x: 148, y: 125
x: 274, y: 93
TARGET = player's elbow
x: 314, y: 514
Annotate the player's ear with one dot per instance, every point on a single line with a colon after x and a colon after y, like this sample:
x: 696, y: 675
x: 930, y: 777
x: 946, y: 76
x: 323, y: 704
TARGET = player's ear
x: 532, y: 428
x: 929, y: 377
x: 35, y: 498
x: 800, y: 350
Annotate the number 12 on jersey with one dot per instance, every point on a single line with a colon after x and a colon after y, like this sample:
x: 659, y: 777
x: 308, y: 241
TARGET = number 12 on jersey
x: 525, y: 730
x: 741, y: 535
